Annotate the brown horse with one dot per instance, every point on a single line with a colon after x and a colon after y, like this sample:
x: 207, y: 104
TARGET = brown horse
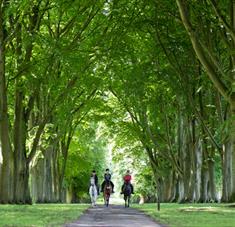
x: 107, y: 193
x: 127, y: 194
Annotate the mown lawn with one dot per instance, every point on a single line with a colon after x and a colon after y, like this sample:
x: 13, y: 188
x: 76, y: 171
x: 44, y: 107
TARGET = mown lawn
x: 192, y: 215
x: 40, y: 215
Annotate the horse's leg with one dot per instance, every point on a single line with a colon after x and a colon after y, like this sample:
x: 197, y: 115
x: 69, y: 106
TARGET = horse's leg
x: 95, y: 200
x: 94, y: 197
x: 105, y: 200
x: 92, y: 194
x: 91, y: 199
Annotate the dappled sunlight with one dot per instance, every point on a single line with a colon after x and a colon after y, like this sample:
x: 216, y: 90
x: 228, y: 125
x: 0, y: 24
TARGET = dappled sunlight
x: 186, y: 215
x: 207, y: 209
x: 39, y: 214
x: 139, y: 95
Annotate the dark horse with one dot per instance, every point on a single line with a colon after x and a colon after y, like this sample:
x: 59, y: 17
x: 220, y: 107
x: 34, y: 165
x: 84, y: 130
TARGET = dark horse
x: 107, y: 193
x: 127, y: 194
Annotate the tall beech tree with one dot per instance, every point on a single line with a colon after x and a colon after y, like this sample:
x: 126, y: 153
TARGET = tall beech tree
x: 201, y: 30
x: 135, y: 69
x: 27, y: 27
x: 170, y: 43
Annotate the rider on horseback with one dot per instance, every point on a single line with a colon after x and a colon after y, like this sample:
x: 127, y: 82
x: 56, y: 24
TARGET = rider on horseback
x: 107, y: 179
x: 127, y: 180
x: 94, y: 180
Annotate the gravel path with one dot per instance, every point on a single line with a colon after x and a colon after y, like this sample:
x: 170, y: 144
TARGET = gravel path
x: 113, y: 216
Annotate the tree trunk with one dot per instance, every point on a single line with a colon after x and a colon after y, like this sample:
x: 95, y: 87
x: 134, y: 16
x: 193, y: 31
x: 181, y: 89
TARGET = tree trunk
x: 168, y: 187
x: 212, y: 186
x: 62, y: 173
x: 38, y: 178
x: 192, y: 158
x: 172, y: 196
x: 21, y: 167
x: 204, y: 185
x: 187, y: 173
x: 227, y: 92
x: 48, y: 175
x: 198, y: 150
x: 55, y: 173
x: 232, y: 134
x: 204, y: 173
x: 65, y: 143
x: 232, y: 105
x: 226, y: 170
x: 181, y: 154
x: 6, y: 193
x: 228, y: 164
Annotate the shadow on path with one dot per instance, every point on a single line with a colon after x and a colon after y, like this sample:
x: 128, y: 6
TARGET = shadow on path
x: 113, y: 216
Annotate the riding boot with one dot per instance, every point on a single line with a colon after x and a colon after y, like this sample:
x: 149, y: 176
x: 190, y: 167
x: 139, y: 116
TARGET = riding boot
x: 98, y: 190
x: 112, y: 186
x: 132, y: 189
x: 122, y: 189
x: 102, y: 187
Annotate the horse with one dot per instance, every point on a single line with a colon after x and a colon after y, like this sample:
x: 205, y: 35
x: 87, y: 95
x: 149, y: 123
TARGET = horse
x: 107, y: 193
x: 127, y: 194
x: 93, y: 193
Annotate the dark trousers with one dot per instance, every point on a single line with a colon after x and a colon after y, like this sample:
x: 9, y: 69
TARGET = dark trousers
x: 132, y: 188
x: 103, y: 184
x: 98, y: 189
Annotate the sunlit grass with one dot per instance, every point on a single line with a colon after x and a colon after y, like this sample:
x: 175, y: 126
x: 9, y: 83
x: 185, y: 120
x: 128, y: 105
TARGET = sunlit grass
x: 173, y: 215
x: 192, y: 215
x: 40, y: 215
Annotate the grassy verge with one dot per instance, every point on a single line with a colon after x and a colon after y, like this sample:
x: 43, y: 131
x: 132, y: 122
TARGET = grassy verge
x: 40, y: 215
x: 192, y: 215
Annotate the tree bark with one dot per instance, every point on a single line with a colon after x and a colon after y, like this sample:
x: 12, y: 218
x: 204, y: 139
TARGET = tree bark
x: 198, y: 150
x: 64, y: 150
x: 232, y: 104
x: 232, y: 134
x: 21, y: 167
x: 212, y: 186
x: 228, y: 92
x: 6, y: 193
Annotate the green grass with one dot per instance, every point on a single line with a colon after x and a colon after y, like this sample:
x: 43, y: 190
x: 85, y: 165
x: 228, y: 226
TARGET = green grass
x: 192, y: 215
x: 173, y: 215
x: 40, y: 215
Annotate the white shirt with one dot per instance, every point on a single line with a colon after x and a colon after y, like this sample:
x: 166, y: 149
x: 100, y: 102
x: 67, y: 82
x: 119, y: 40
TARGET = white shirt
x: 92, y: 181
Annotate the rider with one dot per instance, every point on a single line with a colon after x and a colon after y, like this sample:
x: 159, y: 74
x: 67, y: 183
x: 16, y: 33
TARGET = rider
x: 107, y: 178
x: 127, y: 180
x: 94, y: 180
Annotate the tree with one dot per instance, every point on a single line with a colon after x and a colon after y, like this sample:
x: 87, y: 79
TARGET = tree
x: 221, y: 75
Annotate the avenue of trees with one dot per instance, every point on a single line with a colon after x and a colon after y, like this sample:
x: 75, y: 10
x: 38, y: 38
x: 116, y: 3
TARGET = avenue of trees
x: 156, y: 79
